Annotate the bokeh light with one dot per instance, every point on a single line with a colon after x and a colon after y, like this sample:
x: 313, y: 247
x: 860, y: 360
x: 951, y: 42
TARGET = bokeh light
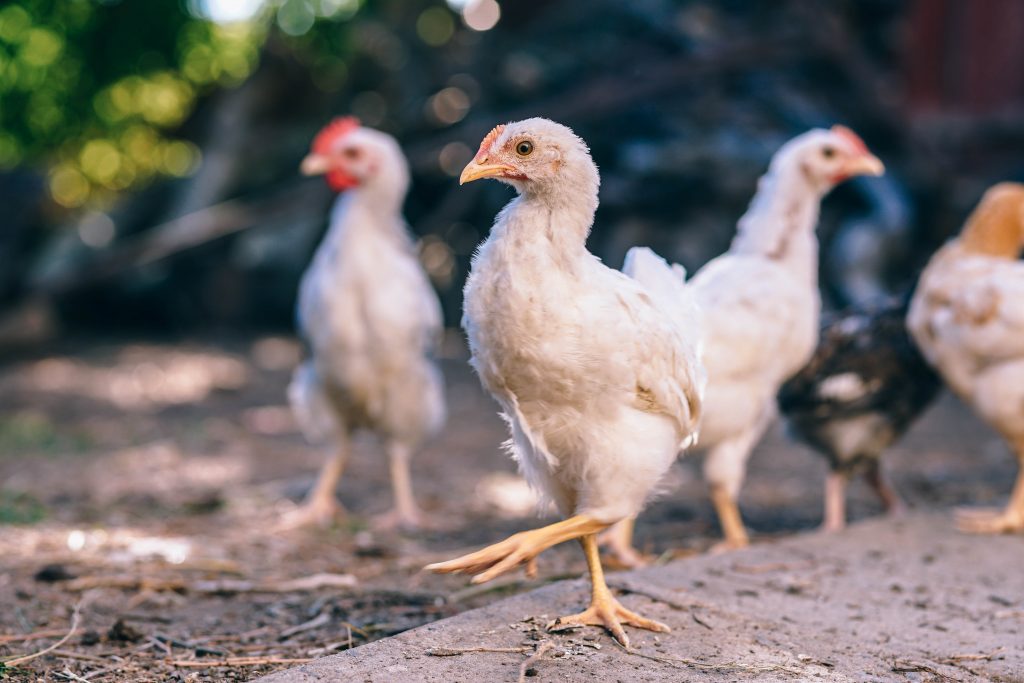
x: 481, y: 15
x: 435, y: 26
x: 448, y: 106
x: 453, y: 157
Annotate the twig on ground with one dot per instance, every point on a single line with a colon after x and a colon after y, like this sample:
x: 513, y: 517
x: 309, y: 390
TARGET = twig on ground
x: 316, y: 622
x: 987, y: 657
x: 455, y: 651
x: 132, y: 582
x: 72, y: 676
x: 533, y: 659
x: 37, y: 635
x: 76, y: 616
x: 331, y: 647
x: 701, y: 621
x: 68, y: 654
x: 918, y: 667
x: 237, y: 661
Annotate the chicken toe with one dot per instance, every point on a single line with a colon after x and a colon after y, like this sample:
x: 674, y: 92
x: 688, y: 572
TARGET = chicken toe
x: 608, y: 612
x: 990, y: 521
x: 517, y: 549
x: 618, y: 541
x: 604, y: 609
x: 320, y: 511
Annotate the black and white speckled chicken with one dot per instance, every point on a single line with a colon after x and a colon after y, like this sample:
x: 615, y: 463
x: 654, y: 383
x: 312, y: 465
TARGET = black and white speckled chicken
x: 865, y: 385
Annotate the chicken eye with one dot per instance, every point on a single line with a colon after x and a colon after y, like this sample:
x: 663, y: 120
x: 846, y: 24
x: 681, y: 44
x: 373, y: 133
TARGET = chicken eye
x: 828, y: 151
x: 351, y: 153
x: 524, y: 148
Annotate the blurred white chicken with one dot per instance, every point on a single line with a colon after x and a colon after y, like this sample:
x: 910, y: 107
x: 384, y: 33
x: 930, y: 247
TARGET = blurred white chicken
x: 967, y: 317
x: 599, y: 380
x: 370, y: 319
x: 760, y: 308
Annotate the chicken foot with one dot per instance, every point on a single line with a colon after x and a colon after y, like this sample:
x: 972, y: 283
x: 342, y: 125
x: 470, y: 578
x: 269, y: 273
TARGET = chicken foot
x: 1008, y: 520
x: 321, y: 507
x: 517, y: 549
x: 405, y: 514
x: 604, y: 609
x: 619, y: 542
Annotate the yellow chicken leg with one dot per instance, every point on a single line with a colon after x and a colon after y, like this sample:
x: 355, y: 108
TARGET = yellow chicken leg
x: 517, y: 549
x: 730, y: 519
x: 405, y: 514
x: 619, y: 542
x: 835, y: 502
x: 1005, y: 521
x: 321, y: 507
x: 604, y: 609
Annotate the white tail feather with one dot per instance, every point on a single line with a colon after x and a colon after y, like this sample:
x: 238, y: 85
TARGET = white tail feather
x: 666, y: 284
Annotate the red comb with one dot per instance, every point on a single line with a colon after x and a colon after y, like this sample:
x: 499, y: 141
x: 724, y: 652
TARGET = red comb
x: 852, y: 138
x: 332, y: 132
x: 485, y: 144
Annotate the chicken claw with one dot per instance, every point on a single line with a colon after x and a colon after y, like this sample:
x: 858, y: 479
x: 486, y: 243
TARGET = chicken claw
x: 321, y: 512
x: 604, y: 609
x: 517, y: 549
x: 530, y: 568
x: 496, y: 559
x: 989, y: 521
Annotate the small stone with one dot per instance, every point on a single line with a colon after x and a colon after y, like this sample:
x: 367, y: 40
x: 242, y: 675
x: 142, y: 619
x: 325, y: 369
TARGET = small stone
x: 52, y: 573
x: 122, y: 632
x: 531, y: 672
x: 590, y: 637
x: 558, y: 653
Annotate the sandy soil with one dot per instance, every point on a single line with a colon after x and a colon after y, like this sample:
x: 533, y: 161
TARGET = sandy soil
x: 141, y: 483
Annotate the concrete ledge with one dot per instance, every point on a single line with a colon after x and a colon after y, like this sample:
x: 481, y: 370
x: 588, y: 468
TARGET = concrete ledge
x: 907, y: 600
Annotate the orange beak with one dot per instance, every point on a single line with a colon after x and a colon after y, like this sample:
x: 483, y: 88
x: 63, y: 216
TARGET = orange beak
x: 863, y: 164
x: 476, y: 171
x: 315, y: 164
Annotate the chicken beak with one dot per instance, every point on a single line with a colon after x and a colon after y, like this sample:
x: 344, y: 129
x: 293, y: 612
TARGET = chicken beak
x: 475, y: 171
x: 864, y: 164
x: 315, y: 164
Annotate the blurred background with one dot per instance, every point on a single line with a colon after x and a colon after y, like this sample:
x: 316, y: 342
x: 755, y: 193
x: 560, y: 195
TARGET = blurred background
x: 154, y: 227
x: 149, y: 150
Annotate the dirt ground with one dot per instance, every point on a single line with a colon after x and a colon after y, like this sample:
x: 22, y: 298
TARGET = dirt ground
x: 140, y: 484
x: 887, y: 601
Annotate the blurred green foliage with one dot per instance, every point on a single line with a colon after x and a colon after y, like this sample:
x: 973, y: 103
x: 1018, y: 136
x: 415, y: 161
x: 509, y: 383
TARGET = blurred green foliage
x: 36, y: 433
x: 94, y: 90
x: 18, y: 507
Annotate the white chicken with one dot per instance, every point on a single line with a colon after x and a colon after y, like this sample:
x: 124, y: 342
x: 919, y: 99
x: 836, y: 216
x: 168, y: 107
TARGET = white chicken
x: 967, y: 317
x: 760, y: 308
x: 370, y: 319
x: 599, y: 380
